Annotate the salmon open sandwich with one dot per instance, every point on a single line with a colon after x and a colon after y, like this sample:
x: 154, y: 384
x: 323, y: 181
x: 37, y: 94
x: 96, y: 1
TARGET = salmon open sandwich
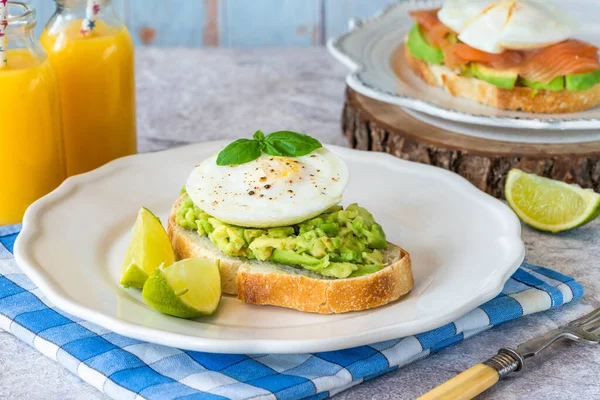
x: 513, y: 55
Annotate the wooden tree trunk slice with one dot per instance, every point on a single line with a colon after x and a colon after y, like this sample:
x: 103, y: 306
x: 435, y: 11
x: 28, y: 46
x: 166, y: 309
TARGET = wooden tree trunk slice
x: 377, y: 126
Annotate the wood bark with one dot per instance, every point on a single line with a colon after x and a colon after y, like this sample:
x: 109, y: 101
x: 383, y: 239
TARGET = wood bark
x: 376, y: 126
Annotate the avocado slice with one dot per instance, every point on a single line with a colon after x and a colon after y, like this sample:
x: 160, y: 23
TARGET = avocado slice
x: 366, y: 270
x: 339, y: 269
x: 585, y: 81
x: 281, y: 232
x: 557, y: 84
x: 418, y: 46
x: 505, y: 79
x: 323, y: 266
x: 290, y: 257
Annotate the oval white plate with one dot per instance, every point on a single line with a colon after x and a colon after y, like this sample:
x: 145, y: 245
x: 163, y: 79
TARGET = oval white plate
x: 367, y: 50
x: 464, y: 244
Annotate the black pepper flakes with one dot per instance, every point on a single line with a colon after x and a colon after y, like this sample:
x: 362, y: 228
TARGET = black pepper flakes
x: 267, y: 186
x: 251, y: 193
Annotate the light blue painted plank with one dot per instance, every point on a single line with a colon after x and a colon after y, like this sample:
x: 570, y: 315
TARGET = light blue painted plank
x: 167, y: 22
x: 339, y: 12
x: 260, y: 23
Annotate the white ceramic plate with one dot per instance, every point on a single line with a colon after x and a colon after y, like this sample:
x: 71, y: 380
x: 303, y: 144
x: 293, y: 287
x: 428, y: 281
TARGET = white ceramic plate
x: 368, y: 47
x: 464, y: 244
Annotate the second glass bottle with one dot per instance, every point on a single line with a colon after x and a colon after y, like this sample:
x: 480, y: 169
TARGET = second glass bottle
x: 92, y: 52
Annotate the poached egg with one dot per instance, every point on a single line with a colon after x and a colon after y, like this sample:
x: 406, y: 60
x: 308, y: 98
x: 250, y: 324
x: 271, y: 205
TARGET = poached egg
x: 497, y: 25
x: 269, y: 191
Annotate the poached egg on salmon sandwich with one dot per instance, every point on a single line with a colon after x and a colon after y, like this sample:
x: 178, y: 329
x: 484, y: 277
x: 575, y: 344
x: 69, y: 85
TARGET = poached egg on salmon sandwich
x: 511, y: 54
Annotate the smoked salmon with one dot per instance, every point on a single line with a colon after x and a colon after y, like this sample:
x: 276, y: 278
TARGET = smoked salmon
x: 462, y: 54
x: 569, y: 57
x: 541, y: 65
x: 437, y: 33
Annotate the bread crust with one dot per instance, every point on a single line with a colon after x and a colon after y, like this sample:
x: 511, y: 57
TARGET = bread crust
x: 328, y: 296
x: 301, y: 291
x: 517, y: 99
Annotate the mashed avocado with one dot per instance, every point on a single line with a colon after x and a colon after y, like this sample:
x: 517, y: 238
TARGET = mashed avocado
x: 338, y: 243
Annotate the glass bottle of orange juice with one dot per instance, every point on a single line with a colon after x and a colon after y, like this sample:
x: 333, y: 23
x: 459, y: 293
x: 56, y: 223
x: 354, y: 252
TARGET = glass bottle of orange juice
x: 31, y: 143
x: 92, y: 53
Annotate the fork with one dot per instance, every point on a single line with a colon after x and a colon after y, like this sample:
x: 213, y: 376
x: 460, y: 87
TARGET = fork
x: 481, y: 377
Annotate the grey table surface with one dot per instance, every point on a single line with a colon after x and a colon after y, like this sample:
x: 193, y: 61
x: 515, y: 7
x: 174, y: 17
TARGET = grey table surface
x: 187, y: 96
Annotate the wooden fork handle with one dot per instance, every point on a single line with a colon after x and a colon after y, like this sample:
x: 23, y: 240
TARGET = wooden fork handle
x: 466, y: 385
x: 477, y: 379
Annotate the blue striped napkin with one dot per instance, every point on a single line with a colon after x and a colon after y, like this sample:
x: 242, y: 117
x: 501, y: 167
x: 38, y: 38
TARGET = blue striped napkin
x: 125, y: 368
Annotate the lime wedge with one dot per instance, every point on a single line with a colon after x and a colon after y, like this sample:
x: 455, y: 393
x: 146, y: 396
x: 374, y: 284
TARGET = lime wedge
x: 550, y: 205
x: 187, y: 289
x: 149, y: 247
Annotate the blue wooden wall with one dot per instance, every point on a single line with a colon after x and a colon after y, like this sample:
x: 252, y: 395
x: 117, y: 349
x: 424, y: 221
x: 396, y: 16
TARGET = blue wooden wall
x: 233, y: 23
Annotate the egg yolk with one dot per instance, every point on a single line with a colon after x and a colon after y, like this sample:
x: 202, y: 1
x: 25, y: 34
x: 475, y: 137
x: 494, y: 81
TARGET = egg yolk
x: 276, y: 168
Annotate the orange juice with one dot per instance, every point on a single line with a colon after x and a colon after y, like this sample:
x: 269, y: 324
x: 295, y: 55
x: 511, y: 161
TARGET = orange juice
x: 31, y: 145
x: 96, y: 77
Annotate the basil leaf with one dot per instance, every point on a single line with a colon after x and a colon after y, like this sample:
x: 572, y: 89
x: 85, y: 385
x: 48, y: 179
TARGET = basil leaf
x: 259, y: 135
x: 239, y: 152
x: 290, y: 144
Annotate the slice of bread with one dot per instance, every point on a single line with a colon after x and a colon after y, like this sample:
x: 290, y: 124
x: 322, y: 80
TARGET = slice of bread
x: 518, y: 99
x: 268, y: 283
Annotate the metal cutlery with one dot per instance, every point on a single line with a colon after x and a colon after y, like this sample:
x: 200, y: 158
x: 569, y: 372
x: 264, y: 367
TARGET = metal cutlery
x: 481, y: 377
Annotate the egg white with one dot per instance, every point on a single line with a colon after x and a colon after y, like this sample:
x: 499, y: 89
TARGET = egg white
x: 534, y: 24
x: 269, y: 191
x: 458, y: 14
x: 497, y: 25
x: 484, y: 32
